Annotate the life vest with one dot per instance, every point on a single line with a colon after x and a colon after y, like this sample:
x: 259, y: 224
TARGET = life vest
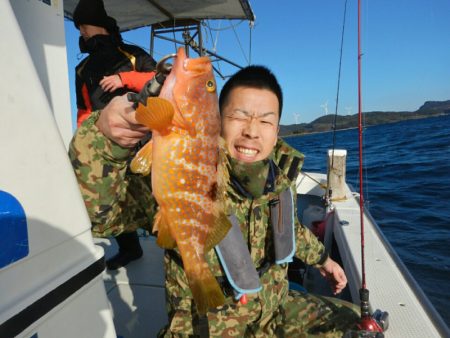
x: 241, y: 275
x: 234, y: 255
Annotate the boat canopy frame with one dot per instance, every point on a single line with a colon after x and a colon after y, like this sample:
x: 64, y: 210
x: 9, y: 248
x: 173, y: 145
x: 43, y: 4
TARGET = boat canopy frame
x: 171, y: 16
x: 191, y: 30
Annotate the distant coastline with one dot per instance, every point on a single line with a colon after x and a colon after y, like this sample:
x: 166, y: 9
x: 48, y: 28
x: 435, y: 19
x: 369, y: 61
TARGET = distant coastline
x: 325, y: 123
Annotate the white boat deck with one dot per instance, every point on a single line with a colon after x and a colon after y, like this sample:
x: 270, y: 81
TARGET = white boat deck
x: 136, y: 292
x: 391, y: 286
x: 137, y: 298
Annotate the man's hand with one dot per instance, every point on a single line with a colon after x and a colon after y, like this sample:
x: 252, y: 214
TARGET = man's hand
x: 111, y: 83
x: 335, y: 275
x: 117, y: 122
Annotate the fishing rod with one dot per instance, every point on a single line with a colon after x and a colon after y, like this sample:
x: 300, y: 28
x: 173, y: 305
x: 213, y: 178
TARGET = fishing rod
x: 369, y: 325
x: 328, y: 192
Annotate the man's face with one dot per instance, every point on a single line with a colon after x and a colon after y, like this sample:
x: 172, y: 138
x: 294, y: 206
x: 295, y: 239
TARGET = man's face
x: 88, y: 31
x: 250, y: 123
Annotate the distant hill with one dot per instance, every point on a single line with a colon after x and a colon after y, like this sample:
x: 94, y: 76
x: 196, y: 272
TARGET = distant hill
x: 325, y: 123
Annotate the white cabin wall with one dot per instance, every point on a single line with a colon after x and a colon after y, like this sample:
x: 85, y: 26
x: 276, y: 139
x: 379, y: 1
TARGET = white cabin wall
x: 42, y: 26
x: 49, y: 241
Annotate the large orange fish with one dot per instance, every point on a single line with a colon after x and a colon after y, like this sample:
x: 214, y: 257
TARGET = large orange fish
x: 185, y: 124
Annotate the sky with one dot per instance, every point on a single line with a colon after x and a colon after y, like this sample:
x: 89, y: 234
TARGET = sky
x: 405, y: 47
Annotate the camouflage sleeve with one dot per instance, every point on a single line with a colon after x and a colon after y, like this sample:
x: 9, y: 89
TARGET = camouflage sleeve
x: 116, y: 201
x: 308, y: 248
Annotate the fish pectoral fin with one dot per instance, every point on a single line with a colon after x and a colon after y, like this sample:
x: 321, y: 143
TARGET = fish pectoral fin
x: 157, y: 114
x: 221, y: 227
x: 165, y: 239
x: 142, y: 161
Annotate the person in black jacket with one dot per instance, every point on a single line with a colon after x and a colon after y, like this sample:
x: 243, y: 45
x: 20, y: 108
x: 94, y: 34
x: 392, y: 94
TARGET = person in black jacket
x: 112, y: 68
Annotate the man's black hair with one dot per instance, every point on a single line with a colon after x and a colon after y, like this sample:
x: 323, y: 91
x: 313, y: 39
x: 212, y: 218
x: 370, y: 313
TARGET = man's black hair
x: 258, y: 77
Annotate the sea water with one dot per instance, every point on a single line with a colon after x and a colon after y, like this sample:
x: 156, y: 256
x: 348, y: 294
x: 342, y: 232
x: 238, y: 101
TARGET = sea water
x: 406, y: 179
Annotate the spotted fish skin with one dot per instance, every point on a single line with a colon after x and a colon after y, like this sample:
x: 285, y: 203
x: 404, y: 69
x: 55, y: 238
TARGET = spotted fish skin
x: 184, y: 161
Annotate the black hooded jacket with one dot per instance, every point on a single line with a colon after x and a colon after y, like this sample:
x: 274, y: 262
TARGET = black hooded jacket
x: 107, y: 56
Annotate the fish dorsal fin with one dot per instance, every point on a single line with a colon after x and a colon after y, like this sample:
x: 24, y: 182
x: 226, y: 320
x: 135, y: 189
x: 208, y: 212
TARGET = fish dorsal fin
x: 223, y: 169
x: 165, y: 239
x: 221, y: 223
x: 142, y: 161
x: 157, y: 114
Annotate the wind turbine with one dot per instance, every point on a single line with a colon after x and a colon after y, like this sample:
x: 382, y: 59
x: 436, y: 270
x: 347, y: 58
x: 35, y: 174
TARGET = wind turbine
x: 296, y: 116
x: 349, y: 110
x: 325, y: 107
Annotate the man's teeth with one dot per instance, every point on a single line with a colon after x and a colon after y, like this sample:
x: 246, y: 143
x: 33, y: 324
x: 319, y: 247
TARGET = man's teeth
x: 246, y: 151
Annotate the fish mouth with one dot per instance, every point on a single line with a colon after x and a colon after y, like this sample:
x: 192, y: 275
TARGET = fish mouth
x: 197, y: 65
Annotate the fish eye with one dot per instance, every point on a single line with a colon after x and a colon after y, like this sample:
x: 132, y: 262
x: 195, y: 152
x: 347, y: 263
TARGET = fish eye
x: 210, y: 86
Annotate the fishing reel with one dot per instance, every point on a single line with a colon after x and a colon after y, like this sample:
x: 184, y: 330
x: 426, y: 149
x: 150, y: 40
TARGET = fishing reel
x: 369, y: 326
x: 153, y: 87
x: 377, y: 322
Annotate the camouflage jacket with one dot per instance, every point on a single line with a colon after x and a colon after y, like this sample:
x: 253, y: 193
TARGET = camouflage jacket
x: 254, y: 218
x: 118, y: 201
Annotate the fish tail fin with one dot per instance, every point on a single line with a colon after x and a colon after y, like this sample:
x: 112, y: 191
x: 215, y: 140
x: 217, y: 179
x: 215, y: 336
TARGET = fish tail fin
x: 157, y: 114
x: 142, y: 161
x: 165, y: 239
x: 205, y: 290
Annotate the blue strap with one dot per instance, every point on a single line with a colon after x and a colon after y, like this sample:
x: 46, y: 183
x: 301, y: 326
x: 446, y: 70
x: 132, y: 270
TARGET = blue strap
x: 236, y: 261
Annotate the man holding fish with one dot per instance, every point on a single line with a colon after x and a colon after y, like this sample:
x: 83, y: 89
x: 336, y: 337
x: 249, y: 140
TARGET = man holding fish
x: 223, y: 208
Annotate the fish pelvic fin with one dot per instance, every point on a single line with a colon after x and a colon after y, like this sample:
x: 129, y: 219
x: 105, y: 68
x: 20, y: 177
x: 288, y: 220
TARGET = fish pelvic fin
x: 206, y: 291
x: 157, y: 114
x: 220, y: 229
x: 142, y: 161
x: 165, y: 239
